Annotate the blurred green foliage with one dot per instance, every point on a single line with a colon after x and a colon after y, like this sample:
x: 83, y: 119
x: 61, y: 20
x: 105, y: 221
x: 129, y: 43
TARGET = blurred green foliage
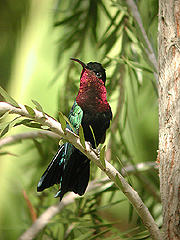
x: 38, y: 39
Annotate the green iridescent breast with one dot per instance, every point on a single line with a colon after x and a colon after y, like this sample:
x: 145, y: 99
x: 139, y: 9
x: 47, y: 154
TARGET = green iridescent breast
x: 75, y: 117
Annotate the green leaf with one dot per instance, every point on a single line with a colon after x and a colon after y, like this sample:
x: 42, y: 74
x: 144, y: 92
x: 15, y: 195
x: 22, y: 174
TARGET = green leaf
x: 5, y: 129
x: 62, y: 121
x: 84, y: 236
x: 96, y: 236
x: 81, y: 135
x: 8, y: 98
x: 30, y: 110
x: 131, y: 209
x: 3, y: 125
x: 102, y: 155
x: 93, y: 136
x: 118, y: 181
x: 131, y: 35
x: 38, y: 106
x: 9, y: 125
x: 29, y: 123
x: 71, y: 126
x: 8, y: 153
x: 4, y: 115
x: 69, y: 19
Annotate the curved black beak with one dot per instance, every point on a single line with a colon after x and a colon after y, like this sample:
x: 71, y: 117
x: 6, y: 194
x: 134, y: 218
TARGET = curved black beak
x: 79, y: 61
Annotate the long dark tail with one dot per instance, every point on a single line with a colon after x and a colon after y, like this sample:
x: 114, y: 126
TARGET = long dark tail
x: 54, y: 171
x: 71, y: 171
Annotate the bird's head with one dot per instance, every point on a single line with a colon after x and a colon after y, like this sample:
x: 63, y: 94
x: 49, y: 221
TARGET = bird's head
x: 92, y: 70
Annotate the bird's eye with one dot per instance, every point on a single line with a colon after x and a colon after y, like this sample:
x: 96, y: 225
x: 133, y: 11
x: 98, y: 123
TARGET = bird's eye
x: 99, y: 75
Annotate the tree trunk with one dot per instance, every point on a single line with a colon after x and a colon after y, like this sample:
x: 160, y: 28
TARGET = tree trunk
x: 169, y: 115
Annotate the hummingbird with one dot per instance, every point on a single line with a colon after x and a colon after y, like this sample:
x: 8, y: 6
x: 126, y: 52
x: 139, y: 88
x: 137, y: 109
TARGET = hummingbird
x: 69, y: 167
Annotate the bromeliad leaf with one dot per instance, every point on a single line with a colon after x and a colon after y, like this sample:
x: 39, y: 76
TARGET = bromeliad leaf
x: 102, y: 155
x: 62, y: 121
x: 81, y: 135
x: 8, y: 98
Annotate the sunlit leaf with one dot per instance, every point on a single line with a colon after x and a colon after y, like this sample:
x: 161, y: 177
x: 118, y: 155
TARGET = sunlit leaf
x: 4, y: 115
x: 8, y: 153
x: 9, y: 125
x: 30, y: 110
x: 8, y: 98
x: 62, y: 121
x: 69, y: 19
x: 131, y: 35
x: 28, y: 123
x: 38, y: 106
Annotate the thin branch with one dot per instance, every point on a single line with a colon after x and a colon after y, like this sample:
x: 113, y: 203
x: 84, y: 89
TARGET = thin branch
x: 28, y: 135
x: 93, y: 155
x: 140, y: 167
x: 149, y: 51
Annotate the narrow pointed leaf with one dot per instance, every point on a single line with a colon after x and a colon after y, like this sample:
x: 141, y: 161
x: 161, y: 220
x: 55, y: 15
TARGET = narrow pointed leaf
x: 118, y: 181
x: 8, y: 153
x: 62, y: 121
x: 4, y: 115
x: 81, y: 135
x: 38, y: 106
x: 8, y: 98
x: 84, y: 236
x: 93, y: 136
x: 9, y: 126
x: 69, y: 19
x: 131, y: 35
x: 5, y: 130
x: 102, y: 155
x: 28, y: 123
x: 71, y: 126
x: 30, y: 110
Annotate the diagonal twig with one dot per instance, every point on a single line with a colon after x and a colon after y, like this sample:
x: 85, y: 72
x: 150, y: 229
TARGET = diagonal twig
x: 92, y: 155
x: 28, y: 135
